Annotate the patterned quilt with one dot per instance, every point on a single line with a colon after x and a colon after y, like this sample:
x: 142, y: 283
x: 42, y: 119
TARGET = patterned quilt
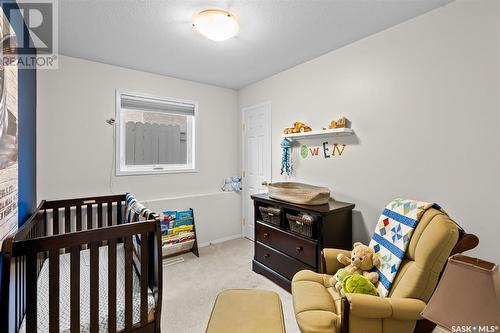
x: 64, y: 292
x: 392, y: 236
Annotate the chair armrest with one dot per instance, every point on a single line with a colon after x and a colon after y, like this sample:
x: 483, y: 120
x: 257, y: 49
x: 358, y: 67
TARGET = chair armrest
x: 407, y: 308
x: 368, y: 306
x: 331, y: 264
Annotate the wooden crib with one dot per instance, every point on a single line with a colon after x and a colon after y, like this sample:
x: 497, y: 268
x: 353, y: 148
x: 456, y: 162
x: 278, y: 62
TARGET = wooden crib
x: 102, y: 272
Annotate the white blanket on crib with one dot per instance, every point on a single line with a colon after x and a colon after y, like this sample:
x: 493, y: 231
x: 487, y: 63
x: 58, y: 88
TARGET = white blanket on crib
x: 64, y: 292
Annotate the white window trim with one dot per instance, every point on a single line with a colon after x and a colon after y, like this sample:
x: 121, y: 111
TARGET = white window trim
x: 146, y: 169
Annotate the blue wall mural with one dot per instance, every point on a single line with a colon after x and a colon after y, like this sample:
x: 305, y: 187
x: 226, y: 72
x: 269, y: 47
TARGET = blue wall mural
x: 26, y: 131
x: 27, y: 143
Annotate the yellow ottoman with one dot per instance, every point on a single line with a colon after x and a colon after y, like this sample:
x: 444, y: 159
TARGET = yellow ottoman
x: 246, y: 311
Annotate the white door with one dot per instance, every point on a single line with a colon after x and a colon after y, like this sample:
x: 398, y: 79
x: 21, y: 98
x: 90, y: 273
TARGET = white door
x: 256, y: 158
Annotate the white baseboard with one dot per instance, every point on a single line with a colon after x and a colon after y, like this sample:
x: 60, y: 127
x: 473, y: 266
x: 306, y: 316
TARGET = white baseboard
x: 220, y: 240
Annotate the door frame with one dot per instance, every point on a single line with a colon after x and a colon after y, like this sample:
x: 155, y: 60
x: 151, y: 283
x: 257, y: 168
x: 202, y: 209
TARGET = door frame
x: 243, y: 112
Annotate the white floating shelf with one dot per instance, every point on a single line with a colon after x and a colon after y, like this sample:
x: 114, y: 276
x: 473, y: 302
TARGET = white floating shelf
x: 320, y: 134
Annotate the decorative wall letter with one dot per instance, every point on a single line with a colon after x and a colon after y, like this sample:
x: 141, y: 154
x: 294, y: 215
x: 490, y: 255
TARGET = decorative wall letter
x: 326, y: 150
x: 336, y: 148
x: 304, y: 151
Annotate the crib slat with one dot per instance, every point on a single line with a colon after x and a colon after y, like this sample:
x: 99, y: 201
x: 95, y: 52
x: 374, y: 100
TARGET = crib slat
x: 99, y: 215
x: 55, y: 221
x: 119, y: 212
x: 75, y: 289
x: 94, y: 289
x: 67, y: 223
x: 44, y: 224
x: 99, y: 220
x: 31, y: 293
x: 110, y: 214
x: 23, y: 288
x: 78, y: 218
x: 112, y: 286
x: 89, y: 220
x: 128, y: 282
x: 144, y: 278
x: 54, y: 291
x: 89, y: 217
x: 17, y: 288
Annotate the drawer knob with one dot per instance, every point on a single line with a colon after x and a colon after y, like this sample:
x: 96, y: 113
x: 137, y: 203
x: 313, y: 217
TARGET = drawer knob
x: 266, y: 235
x: 299, y: 248
x: 267, y: 255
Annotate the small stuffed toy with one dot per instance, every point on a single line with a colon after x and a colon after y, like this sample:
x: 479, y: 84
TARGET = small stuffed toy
x: 236, y: 183
x: 358, y: 284
x: 362, y: 260
x: 232, y: 184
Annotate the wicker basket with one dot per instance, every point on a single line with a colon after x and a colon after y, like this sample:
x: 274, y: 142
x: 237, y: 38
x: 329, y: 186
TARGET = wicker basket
x: 271, y: 215
x: 301, y: 224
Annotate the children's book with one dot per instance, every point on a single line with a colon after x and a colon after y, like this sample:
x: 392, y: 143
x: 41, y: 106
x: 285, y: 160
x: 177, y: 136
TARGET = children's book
x: 178, y: 228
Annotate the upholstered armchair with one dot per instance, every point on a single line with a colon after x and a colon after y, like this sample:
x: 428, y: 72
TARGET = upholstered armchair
x: 319, y: 308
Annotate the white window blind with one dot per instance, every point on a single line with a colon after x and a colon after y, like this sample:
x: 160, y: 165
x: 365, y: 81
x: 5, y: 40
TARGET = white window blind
x: 152, y: 104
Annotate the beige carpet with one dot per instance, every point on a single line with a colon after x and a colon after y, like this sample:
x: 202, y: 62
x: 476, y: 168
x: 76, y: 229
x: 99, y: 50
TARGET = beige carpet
x: 190, y: 287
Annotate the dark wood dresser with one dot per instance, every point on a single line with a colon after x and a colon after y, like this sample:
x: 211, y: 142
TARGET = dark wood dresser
x: 280, y: 253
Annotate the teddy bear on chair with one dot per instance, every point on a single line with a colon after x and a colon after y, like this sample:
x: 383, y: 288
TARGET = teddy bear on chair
x: 362, y: 260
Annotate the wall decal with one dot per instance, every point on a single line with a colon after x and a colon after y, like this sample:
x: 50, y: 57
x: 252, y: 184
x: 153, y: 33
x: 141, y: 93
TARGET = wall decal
x: 304, y: 151
x: 286, y: 160
x: 327, y: 150
x: 8, y: 139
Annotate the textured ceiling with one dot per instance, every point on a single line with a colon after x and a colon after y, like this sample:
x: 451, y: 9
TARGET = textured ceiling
x: 157, y: 37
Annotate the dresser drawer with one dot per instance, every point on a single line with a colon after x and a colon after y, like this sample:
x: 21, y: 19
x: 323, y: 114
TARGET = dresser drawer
x: 280, y: 262
x: 297, y: 247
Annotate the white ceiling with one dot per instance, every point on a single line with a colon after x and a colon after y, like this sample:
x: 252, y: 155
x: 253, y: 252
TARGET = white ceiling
x: 156, y: 36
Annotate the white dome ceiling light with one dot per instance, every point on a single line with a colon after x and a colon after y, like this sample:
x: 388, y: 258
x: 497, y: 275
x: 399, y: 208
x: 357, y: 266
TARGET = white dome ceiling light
x: 216, y: 24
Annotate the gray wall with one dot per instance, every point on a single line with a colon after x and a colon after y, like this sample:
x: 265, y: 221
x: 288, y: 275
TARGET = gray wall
x: 75, y: 145
x: 423, y: 98
x: 76, y: 148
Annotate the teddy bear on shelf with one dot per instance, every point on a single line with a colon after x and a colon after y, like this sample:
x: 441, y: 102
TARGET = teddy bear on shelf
x: 362, y: 260
x: 341, y: 123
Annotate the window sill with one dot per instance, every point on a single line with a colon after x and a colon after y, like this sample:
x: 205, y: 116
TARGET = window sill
x: 120, y: 173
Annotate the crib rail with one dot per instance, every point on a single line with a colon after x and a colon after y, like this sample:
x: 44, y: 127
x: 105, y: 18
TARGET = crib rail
x: 69, y: 226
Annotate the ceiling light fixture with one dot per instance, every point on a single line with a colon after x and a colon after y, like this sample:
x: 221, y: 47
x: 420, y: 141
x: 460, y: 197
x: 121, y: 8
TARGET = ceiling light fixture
x: 216, y: 24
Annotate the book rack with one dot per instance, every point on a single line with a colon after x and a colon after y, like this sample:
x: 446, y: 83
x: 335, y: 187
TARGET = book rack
x: 175, y: 241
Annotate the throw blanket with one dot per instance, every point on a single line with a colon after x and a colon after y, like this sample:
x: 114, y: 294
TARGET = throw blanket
x: 135, y: 210
x: 392, y: 236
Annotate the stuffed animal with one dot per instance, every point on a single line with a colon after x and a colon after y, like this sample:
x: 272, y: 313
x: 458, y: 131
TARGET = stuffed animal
x: 298, y: 127
x: 339, y: 277
x: 362, y: 260
x: 341, y: 123
x: 358, y: 284
x: 236, y: 183
x: 231, y: 184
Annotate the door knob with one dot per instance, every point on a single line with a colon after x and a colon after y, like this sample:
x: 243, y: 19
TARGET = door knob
x: 267, y: 255
x: 299, y: 248
x: 266, y: 235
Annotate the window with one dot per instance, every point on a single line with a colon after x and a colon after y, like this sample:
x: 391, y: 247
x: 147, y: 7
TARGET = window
x: 155, y: 135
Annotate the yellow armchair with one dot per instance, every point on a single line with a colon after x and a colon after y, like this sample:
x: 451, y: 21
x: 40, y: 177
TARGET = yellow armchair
x: 319, y: 308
